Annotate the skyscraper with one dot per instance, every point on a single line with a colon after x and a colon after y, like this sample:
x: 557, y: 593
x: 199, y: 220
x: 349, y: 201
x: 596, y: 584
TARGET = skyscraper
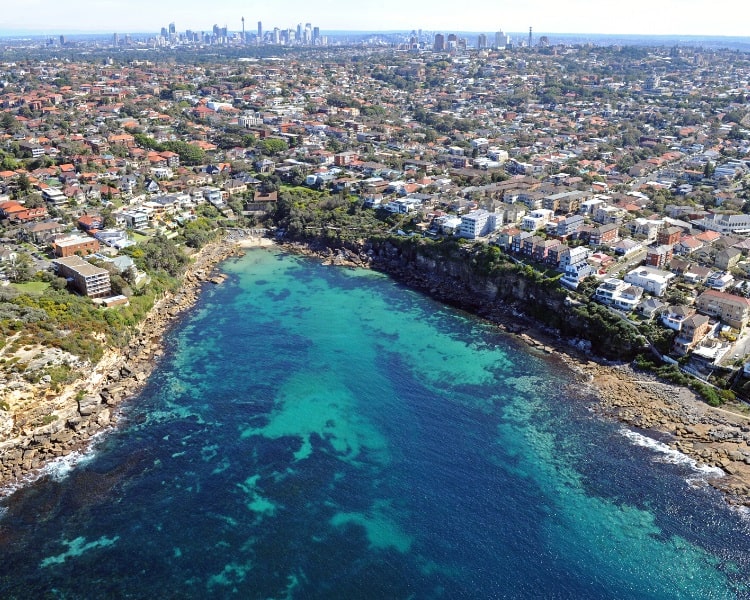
x: 481, y: 41
x: 501, y: 40
x: 243, y: 30
x: 530, y: 44
x: 172, y: 29
x: 439, y: 43
x: 260, y: 32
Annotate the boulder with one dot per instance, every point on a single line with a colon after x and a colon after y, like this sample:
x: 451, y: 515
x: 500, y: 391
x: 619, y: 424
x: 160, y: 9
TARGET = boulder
x: 104, y: 417
x: 88, y: 405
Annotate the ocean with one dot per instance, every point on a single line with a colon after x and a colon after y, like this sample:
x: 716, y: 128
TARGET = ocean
x: 320, y: 432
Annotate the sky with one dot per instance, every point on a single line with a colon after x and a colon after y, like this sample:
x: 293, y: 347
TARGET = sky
x: 648, y: 17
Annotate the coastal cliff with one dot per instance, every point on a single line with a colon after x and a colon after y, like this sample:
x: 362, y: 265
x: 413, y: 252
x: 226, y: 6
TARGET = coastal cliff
x: 42, y: 424
x: 487, y: 283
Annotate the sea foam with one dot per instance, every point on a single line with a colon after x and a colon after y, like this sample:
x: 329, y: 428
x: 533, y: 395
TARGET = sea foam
x: 670, y: 455
x: 57, y: 469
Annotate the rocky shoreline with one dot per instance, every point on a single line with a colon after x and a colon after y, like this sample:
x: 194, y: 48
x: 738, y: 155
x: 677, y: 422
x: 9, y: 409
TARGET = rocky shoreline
x: 712, y: 437
x: 89, y: 405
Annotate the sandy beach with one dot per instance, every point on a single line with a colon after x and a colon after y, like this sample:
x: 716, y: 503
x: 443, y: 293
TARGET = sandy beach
x: 713, y: 437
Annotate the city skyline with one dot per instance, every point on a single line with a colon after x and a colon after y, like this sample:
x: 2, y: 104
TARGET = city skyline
x: 668, y: 17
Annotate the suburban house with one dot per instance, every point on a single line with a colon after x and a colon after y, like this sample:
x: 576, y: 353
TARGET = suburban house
x: 650, y: 307
x: 38, y: 232
x: 651, y: 280
x: 675, y: 316
x: 618, y: 293
x: 694, y: 329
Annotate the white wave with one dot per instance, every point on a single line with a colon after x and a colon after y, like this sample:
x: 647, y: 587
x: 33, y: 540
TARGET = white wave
x: 743, y: 512
x: 61, y: 467
x: 58, y: 468
x: 670, y: 455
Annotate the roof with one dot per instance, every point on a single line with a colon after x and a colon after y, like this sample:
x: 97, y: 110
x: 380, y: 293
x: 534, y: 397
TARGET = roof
x: 725, y: 297
x: 79, y: 265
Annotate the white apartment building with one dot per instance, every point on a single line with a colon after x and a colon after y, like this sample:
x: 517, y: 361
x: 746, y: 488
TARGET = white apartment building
x: 478, y: 223
x: 536, y: 219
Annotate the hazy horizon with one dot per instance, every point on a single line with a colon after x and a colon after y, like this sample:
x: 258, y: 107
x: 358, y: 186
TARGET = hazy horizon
x: 577, y: 17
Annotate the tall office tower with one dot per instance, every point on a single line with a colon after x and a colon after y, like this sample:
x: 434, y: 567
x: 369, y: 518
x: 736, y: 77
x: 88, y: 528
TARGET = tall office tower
x: 62, y: 40
x: 530, y: 44
x: 172, y: 29
x: 500, y: 39
x: 164, y: 32
x: 260, y: 32
x: 439, y: 43
x: 243, y: 30
x: 298, y: 38
x: 316, y: 35
x: 481, y: 41
x: 308, y: 34
x: 276, y: 35
x: 115, y: 40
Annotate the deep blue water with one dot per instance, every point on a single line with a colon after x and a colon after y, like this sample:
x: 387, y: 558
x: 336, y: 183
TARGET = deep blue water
x: 315, y: 432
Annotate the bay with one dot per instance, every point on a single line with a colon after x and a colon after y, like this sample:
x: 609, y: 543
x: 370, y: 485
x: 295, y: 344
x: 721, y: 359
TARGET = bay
x: 316, y: 432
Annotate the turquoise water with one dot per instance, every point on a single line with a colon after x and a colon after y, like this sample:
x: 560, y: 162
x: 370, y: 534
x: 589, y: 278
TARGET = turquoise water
x: 315, y: 432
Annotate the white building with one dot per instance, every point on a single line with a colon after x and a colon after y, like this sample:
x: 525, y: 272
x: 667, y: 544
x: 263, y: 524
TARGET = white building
x: 589, y: 206
x: 536, y: 219
x: 651, y: 280
x: 725, y: 223
x: 54, y: 196
x: 574, y: 256
x: 478, y: 223
x: 618, y: 293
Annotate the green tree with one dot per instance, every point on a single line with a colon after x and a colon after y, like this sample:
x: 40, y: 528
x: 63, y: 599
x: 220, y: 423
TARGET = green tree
x: 21, y: 269
x: 24, y: 185
x: 272, y: 146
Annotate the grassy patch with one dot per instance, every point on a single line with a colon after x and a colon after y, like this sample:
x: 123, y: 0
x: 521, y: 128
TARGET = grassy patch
x: 139, y: 238
x: 33, y: 287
